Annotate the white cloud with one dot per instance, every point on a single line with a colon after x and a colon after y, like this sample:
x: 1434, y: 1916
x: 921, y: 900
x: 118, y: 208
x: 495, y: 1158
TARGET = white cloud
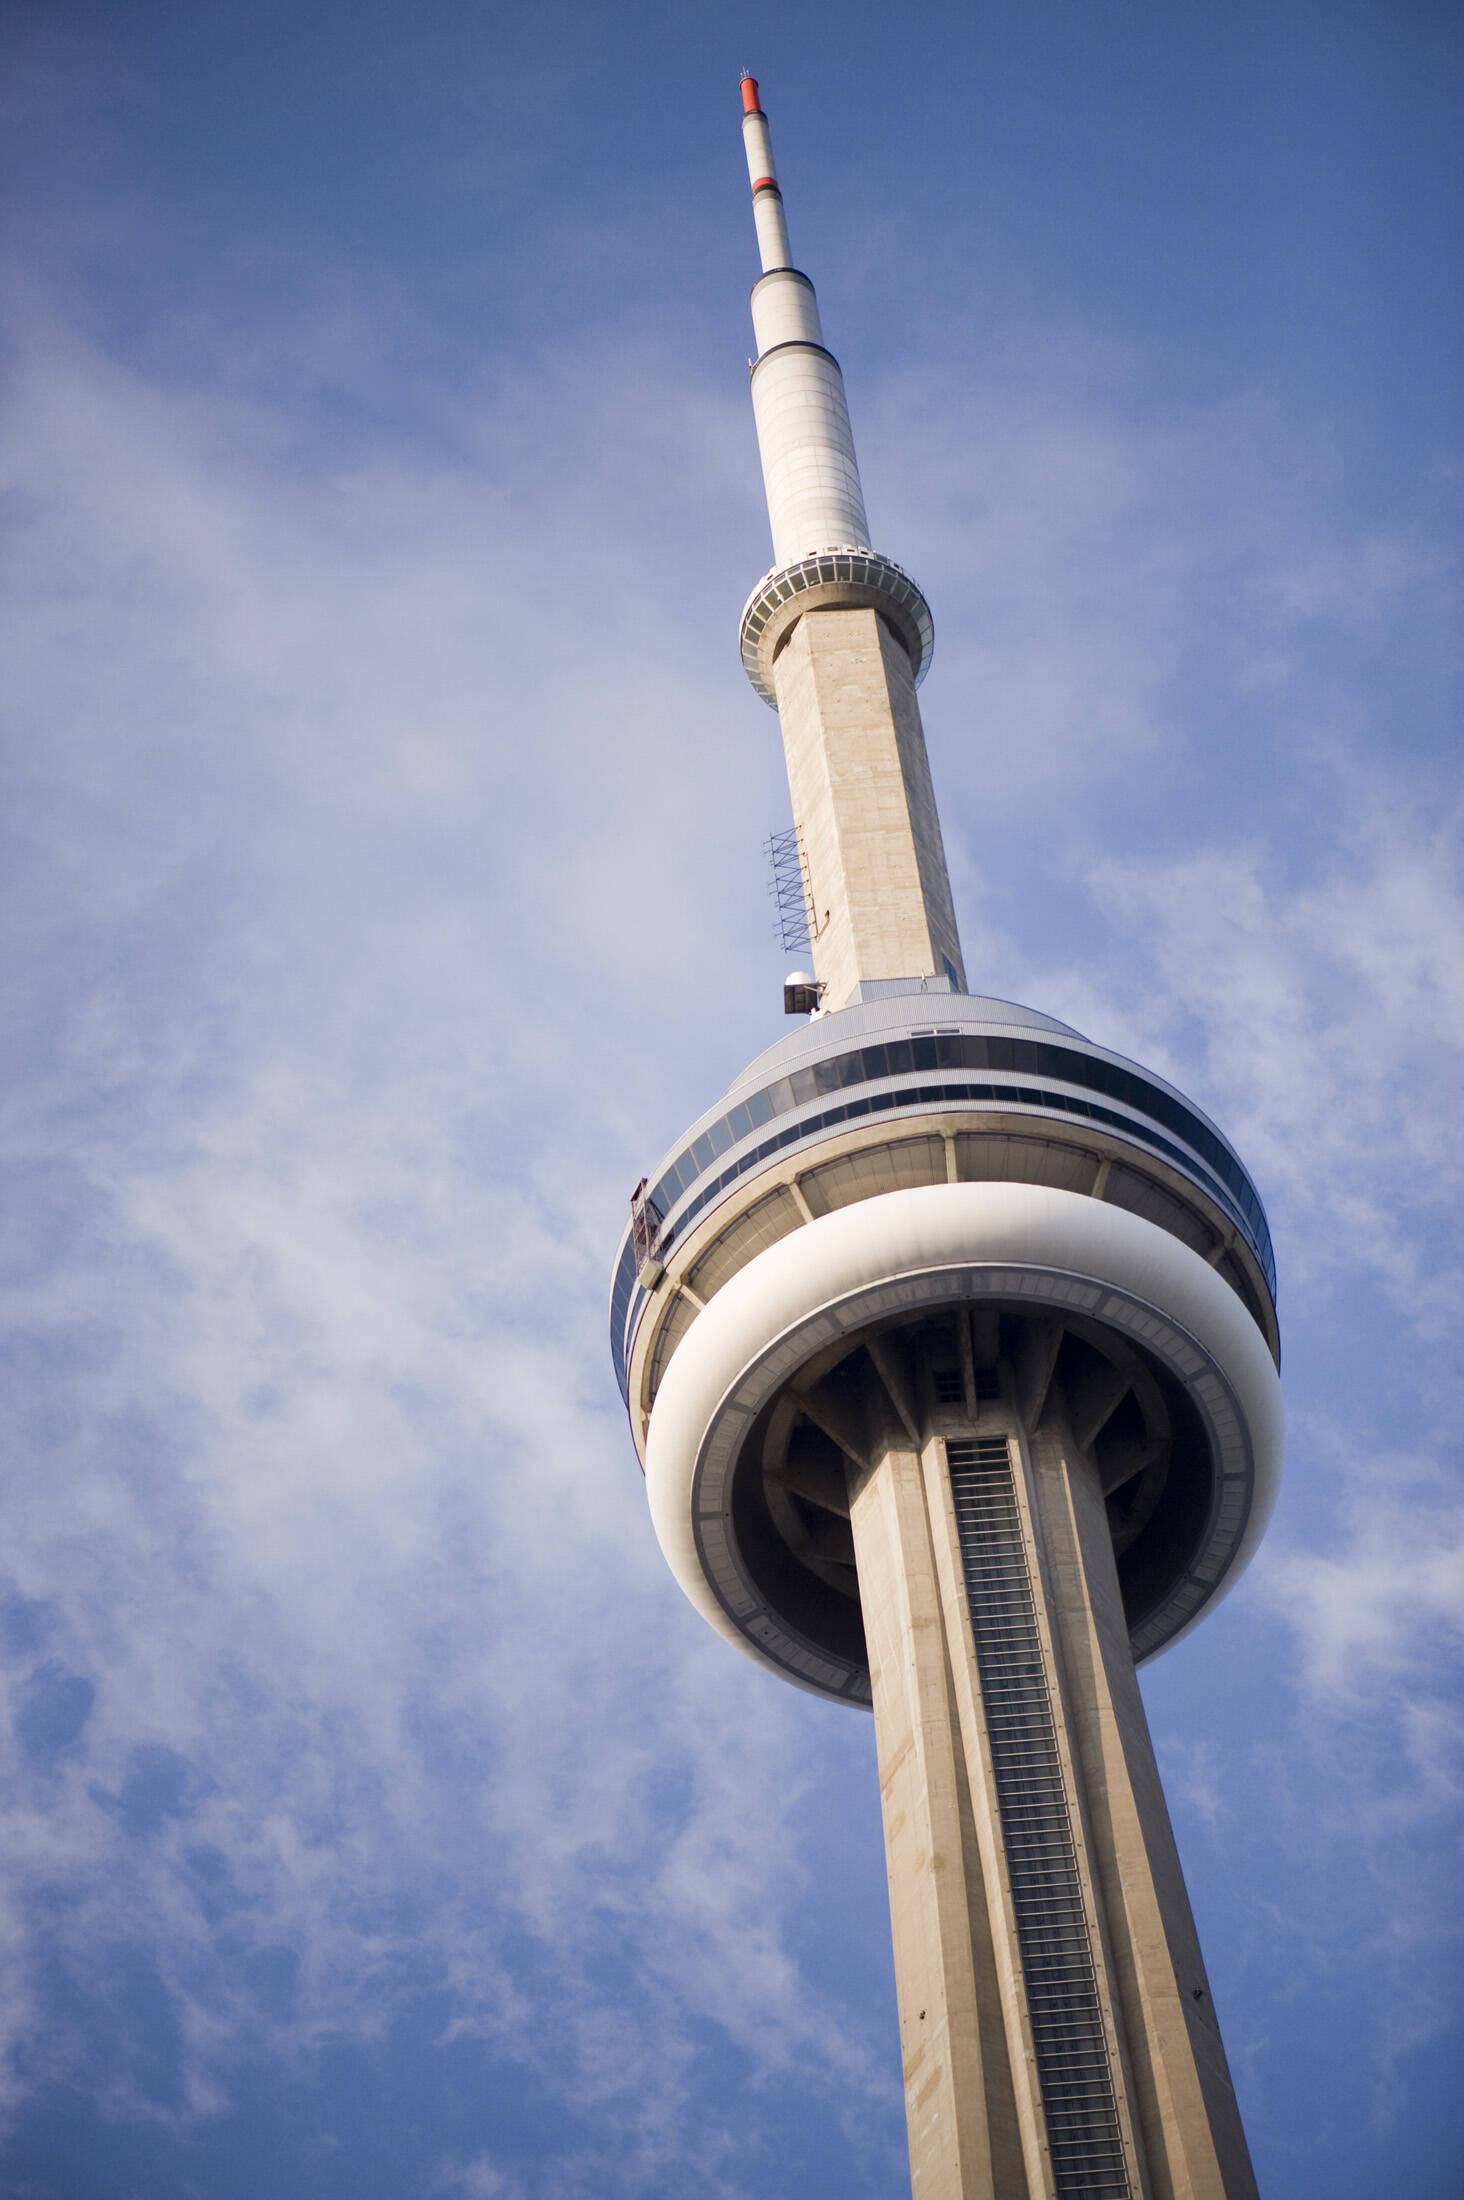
x: 477, y: 2179
x: 1385, y: 1605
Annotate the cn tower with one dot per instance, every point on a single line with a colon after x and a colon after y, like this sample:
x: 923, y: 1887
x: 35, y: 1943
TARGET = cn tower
x: 949, y: 1344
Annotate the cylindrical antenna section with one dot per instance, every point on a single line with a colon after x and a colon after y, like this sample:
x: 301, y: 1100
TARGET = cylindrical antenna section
x: 767, y: 199
x: 809, y: 469
x: 810, y: 472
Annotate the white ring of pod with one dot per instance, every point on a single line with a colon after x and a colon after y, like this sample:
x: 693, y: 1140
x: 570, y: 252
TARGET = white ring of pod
x: 1022, y: 1245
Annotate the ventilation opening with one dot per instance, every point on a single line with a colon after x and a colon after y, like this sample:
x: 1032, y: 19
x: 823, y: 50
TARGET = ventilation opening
x: 988, y: 1383
x: 950, y: 1390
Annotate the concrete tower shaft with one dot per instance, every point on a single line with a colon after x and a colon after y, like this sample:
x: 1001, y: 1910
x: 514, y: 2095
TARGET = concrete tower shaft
x: 949, y: 1344
x: 838, y: 637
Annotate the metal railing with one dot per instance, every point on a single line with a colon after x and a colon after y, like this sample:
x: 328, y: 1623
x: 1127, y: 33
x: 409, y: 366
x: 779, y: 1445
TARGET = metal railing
x: 788, y: 885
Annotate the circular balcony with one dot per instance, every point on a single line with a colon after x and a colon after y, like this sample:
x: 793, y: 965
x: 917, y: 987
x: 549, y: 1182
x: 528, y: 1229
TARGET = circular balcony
x: 841, y: 579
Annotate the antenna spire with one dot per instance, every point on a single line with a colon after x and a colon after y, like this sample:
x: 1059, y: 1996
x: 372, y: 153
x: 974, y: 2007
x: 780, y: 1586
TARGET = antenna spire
x: 767, y: 199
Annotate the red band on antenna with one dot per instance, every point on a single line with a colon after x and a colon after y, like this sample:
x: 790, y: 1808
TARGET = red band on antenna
x: 749, y: 95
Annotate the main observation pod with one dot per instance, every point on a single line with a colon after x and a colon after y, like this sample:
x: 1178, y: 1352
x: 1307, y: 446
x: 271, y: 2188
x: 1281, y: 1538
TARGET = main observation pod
x: 942, y: 1212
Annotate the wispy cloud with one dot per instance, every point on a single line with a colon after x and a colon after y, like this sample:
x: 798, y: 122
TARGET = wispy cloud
x: 1385, y: 1605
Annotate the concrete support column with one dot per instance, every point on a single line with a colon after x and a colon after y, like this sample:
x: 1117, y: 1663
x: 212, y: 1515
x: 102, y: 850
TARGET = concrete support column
x: 959, y: 2104
x: 880, y: 897
x: 1184, y: 2097
x: 1055, y: 2018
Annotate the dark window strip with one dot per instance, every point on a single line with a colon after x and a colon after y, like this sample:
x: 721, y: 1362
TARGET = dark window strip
x: 622, y: 1327
x: 970, y: 1050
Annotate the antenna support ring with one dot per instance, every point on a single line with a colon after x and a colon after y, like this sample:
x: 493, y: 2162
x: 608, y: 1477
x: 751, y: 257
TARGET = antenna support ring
x: 848, y: 577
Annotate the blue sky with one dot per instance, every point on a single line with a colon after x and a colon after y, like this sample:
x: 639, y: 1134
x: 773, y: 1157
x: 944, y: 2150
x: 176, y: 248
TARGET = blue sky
x: 383, y: 893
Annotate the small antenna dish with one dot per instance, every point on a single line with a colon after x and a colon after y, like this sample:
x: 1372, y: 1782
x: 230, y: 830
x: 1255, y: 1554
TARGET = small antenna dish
x: 801, y: 993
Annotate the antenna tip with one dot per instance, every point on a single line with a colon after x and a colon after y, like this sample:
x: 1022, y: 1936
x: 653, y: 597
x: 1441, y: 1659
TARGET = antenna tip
x: 749, y: 93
